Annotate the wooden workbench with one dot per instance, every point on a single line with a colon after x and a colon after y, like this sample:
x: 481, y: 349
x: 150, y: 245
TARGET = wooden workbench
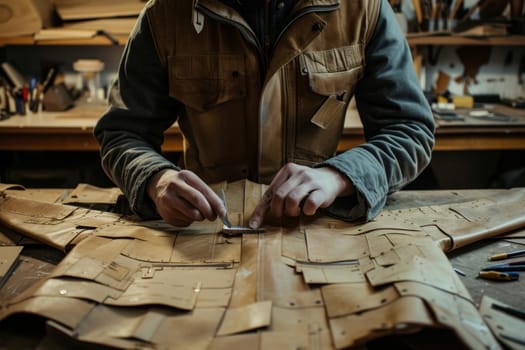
x: 73, y: 131
x: 38, y: 261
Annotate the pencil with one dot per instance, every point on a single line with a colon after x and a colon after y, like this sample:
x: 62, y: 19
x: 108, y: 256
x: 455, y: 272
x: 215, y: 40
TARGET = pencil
x: 499, y: 276
x: 502, y: 256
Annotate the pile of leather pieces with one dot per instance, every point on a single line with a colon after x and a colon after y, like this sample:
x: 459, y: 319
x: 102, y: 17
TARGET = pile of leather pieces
x: 313, y: 283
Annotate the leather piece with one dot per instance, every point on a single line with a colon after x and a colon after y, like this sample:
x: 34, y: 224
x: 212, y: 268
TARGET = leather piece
x: 354, y: 298
x: 206, y: 248
x: 416, y: 267
x: 507, y: 328
x: 294, y: 244
x: 49, y: 195
x: 247, y: 273
x: 406, y: 314
x: 275, y: 280
x: 89, y: 194
x: 112, y: 326
x: 305, y: 323
x: 459, y: 224
x: 190, y: 331
x: 246, y: 318
x: 4, y: 186
x: 452, y: 310
x: 168, y: 293
x: 331, y: 273
x: 52, y: 224
x: 64, y: 310
x: 237, y: 341
x: 327, y: 244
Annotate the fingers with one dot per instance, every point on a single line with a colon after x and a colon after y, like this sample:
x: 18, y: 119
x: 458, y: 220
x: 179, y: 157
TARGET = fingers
x: 204, y: 198
x: 283, y: 196
x: 299, y: 189
x: 181, y: 198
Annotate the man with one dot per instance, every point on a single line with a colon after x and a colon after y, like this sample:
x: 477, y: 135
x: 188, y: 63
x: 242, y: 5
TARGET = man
x: 260, y: 90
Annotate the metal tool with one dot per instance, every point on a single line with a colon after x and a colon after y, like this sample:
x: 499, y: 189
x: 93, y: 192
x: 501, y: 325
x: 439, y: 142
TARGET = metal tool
x: 231, y: 230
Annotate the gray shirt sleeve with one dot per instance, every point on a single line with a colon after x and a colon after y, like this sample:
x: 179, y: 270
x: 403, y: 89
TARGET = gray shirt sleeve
x: 397, y: 120
x: 130, y: 133
x: 398, y: 125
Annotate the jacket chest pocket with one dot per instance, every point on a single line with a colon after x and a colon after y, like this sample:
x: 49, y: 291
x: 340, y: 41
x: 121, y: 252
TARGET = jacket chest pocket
x: 331, y: 77
x: 204, y: 81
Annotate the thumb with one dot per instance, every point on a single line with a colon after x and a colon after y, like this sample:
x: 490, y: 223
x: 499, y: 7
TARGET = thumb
x: 258, y: 214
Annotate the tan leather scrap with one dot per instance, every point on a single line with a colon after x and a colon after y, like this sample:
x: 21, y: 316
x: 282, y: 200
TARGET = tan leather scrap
x: 88, y: 194
x: 506, y: 322
x: 314, y: 283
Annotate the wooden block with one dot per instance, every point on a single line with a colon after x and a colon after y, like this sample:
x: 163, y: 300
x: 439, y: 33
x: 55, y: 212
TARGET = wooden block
x: 463, y: 101
x: 24, y: 17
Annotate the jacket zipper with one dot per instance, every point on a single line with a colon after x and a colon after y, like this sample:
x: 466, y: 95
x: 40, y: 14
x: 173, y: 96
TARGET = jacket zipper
x: 246, y: 34
x: 252, y: 39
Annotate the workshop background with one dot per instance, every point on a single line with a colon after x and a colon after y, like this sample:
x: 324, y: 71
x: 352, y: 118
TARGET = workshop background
x: 43, y: 37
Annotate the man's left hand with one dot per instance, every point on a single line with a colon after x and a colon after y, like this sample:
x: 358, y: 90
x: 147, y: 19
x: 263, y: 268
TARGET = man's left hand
x: 297, y: 188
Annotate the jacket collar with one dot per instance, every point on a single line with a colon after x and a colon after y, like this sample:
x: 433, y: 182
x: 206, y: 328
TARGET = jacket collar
x: 224, y: 8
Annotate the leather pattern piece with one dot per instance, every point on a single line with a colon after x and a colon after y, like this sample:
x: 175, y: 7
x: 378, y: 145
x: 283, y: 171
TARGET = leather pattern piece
x: 459, y: 224
x: 276, y: 281
x: 4, y: 187
x: 247, y: 273
x: 281, y: 339
x: 89, y: 194
x: 246, y: 318
x: 237, y: 341
x: 507, y: 328
x: 53, y: 224
x: 326, y: 244
x: 49, y: 195
x: 294, y: 244
x: 406, y: 314
x: 195, y: 330
x: 452, y: 310
x: 326, y: 284
x: 66, y: 311
x: 206, y: 248
x: 116, y: 327
x: 306, y: 323
x: 331, y: 273
x: 354, y: 298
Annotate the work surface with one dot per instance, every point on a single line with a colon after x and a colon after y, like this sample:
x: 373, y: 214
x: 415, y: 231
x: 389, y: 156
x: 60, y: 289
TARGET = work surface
x: 315, y: 283
x: 72, y: 130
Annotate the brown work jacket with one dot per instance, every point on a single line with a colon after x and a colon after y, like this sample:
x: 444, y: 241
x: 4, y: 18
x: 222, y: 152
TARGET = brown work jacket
x: 265, y: 112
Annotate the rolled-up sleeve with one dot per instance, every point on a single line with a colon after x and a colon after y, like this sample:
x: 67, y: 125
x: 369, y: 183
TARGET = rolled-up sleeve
x: 398, y: 125
x: 131, y: 131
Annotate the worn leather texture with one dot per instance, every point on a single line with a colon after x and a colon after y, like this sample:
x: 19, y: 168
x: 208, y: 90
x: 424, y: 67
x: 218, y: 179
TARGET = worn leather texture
x: 311, y: 283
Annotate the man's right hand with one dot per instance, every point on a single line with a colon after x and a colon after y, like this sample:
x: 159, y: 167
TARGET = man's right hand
x: 181, y: 197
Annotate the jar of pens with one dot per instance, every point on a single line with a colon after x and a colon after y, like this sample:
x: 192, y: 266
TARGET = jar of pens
x: 16, y: 95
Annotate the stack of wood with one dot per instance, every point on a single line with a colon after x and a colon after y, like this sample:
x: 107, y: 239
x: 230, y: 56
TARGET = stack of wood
x: 79, y: 18
x: 24, y: 17
x: 116, y: 17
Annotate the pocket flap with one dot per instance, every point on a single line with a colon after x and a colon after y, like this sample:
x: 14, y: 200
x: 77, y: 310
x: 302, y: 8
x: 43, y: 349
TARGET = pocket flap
x: 334, y: 71
x: 204, y: 81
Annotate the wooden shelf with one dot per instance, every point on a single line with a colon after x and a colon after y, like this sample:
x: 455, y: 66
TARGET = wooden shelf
x: 508, y: 40
x: 413, y: 40
x: 97, y: 40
